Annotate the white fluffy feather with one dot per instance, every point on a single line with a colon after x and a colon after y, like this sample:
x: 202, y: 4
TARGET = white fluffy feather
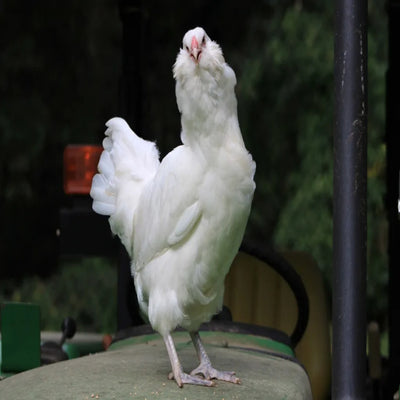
x: 182, y: 220
x: 126, y: 165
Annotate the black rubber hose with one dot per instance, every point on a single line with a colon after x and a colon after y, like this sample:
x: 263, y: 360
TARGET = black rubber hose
x: 293, y: 279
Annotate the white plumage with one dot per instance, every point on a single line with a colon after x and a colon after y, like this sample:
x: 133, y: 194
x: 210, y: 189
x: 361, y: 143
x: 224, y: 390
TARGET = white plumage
x: 182, y: 220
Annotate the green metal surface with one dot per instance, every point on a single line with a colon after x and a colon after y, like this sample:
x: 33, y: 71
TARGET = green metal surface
x: 74, y: 350
x: 216, y: 338
x: 20, y: 337
x: 82, y: 344
x: 139, y: 370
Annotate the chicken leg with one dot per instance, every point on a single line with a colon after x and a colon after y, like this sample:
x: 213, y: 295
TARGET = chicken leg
x: 205, y: 368
x: 177, y: 371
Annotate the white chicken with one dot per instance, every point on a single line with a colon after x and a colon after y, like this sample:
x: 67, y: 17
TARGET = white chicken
x: 182, y: 220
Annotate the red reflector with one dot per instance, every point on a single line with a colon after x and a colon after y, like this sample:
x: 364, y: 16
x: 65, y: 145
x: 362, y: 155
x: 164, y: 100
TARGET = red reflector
x: 80, y: 165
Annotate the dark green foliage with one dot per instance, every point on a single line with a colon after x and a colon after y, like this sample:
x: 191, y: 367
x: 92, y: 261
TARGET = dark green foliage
x: 59, y: 73
x: 286, y: 102
x: 85, y: 290
x: 285, y: 95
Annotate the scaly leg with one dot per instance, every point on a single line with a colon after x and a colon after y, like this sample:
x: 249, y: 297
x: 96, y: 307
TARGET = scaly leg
x: 205, y: 368
x: 177, y: 372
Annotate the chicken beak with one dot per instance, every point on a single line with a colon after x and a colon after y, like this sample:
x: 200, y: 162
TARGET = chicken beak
x: 195, y: 50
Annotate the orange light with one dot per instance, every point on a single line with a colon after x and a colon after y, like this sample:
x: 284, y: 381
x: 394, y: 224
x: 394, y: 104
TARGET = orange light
x: 80, y: 165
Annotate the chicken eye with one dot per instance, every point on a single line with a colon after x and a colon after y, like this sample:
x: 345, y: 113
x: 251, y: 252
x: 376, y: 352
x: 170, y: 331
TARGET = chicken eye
x: 187, y: 48
x: 203, y: 42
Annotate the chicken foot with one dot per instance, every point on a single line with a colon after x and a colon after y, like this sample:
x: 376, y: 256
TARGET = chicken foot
x: 177, y: 371
x: 205, y: 368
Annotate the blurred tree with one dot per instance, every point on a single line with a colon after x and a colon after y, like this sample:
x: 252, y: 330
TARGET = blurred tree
x: 286, y: 102
x: 85, y: 290
x: 59, y: 71
x: 299, y: 55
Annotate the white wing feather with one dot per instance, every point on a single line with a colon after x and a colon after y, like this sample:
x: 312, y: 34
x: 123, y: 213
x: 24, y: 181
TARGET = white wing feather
x: 185, y: 224
x: 169, y: 208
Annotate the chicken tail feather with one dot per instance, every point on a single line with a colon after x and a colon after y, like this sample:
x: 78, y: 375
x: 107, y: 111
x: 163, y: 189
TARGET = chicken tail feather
x: 126, y: 165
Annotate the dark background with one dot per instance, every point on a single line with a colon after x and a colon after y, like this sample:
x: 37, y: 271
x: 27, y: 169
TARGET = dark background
x: 61, y: 80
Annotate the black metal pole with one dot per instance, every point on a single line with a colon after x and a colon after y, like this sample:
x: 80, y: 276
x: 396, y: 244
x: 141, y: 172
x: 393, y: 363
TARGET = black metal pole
x: 392, y: 192
x: 131, y: 82
x: 130, y: 109
x: 350, y: 196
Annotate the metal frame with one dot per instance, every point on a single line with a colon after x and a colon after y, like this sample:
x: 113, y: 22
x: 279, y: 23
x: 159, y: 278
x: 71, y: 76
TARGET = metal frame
x: 350, y: 198
x: 392, y: 192
x: 130, y: 104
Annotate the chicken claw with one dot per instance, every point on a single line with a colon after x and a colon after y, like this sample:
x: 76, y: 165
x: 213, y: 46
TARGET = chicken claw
x: 205, y: 368
x: 209, y: 372
x: 190, y: 379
